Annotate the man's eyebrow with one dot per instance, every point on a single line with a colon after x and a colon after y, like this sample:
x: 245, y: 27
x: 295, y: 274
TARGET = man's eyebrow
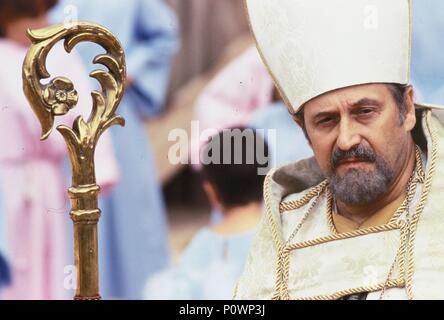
x: 360, y: 103
x: 366, y: 102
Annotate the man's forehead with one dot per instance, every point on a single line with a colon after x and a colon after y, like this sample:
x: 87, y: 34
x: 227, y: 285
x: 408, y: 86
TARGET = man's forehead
x: 348, y: 96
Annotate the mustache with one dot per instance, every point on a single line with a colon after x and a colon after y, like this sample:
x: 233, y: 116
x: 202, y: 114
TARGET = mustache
x: 358, y: 152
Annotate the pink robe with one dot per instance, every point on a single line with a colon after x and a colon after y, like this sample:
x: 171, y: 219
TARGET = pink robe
x: 33, y: 182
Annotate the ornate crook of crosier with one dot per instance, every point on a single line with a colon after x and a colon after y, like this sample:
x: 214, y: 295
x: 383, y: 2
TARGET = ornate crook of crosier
x: 55, y: 99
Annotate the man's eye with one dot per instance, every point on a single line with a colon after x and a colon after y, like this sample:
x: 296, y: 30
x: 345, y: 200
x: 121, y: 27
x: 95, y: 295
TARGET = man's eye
x: 325, y: 120
x: 365, y: 111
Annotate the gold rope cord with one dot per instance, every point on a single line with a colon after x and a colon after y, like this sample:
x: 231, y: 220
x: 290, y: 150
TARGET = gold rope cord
x: 348, y: 292
x: 296, y: 204
x: 282, y: 258
x: 345, y: 235
x: 282, y: 272
x: 417, y: 177
x: 275, y: 235
x: 285, y: 254
x: 423, y: 199
x: 397, y: 261
x: 400, y: 257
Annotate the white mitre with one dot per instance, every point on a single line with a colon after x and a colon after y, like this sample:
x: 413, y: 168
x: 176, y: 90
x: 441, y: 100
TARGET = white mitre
x: 315, y: 46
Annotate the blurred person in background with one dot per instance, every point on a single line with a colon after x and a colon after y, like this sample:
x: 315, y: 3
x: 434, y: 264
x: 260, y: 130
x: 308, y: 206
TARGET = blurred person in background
x: 214, y: 259
x: 288, y: 143
x: 230, y: 99
x: 232, y: 96
x: 133, y: 233
x: 243, y: 93
x: 33, y: 188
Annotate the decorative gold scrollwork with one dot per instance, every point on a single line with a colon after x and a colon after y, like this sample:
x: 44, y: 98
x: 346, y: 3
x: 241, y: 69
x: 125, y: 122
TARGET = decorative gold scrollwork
x: 56, y: 99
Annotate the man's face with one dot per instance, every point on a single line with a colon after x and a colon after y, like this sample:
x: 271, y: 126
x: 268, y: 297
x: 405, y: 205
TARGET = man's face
x: 359, y: 140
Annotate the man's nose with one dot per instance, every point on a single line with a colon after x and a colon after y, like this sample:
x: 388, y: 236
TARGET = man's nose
x: 348, y: 137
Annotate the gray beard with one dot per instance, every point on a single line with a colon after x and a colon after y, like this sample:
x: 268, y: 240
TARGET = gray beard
x: 359, y: 187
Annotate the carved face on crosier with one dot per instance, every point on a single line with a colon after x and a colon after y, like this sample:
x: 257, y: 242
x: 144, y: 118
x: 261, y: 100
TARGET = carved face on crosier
x: 60, y: 95
x: 360, y: 139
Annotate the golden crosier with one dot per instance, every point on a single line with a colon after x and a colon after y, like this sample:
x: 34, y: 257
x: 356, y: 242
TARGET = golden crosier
x: 55, y: 99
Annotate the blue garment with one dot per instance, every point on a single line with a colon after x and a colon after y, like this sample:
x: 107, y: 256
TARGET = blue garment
x: 133, y: 229
x: 5, y: 272
x: 209, y: 268
x: 290, y: 144
x: 3, y: 244
x: 427, y: 65
x: 5, y: 275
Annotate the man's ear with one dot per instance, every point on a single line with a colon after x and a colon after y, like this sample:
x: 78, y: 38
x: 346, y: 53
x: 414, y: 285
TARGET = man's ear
x: 300, y: 122
x: 410, y: 111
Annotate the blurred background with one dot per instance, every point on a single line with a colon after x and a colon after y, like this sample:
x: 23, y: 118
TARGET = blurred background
x: 166, y: 231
